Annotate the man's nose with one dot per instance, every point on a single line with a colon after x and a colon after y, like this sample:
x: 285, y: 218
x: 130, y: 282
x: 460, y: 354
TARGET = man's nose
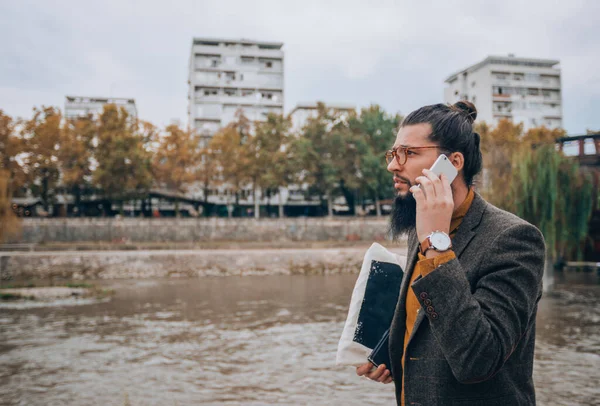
x: 394, y: 166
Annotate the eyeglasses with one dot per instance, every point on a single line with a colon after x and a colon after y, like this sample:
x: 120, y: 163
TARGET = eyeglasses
x: 401, y: 153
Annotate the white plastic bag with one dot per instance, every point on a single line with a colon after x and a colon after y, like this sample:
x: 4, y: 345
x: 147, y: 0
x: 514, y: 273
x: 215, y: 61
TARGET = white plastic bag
x: 372, y: 305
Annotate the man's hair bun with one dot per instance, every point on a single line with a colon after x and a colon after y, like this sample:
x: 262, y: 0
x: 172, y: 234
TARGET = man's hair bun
x: 467, y: 108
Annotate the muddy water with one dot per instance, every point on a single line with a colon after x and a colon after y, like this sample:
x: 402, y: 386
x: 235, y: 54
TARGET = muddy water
x: 249, y: 341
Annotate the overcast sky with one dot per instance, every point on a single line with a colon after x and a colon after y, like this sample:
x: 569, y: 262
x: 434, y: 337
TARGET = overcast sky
x: 394, y: 53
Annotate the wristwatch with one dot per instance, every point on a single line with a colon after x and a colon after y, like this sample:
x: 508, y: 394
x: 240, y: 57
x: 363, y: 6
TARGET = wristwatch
x: 438, y: 241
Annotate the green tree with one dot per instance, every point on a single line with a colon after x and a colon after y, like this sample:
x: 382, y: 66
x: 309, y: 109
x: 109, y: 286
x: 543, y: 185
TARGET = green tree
x: 42, y: 136
x: 328, y: 155
x: 552, y: 192
x: 377, y: 133
x: 174, y: 163
x: 124, y: 160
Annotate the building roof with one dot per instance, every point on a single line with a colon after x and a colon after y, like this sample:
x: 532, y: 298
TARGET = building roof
x: 243, y: 41
x: 313, y: 106
x: 89, y: 99
x: 547, y: 63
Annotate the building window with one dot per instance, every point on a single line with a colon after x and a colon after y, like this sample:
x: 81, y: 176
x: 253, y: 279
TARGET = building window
x: 247, y: 60
x: 269, y: 64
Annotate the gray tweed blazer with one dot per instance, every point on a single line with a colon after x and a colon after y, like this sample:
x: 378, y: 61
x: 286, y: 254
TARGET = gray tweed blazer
x: 474, y: 336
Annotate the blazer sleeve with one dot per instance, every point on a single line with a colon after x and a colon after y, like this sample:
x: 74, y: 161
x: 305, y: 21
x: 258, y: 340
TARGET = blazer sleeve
x: 478, y: 328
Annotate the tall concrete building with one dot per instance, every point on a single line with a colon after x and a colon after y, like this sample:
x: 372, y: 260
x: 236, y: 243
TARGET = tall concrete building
x: 525, y: 90
x: 82, y: 106
x: 226, y: 75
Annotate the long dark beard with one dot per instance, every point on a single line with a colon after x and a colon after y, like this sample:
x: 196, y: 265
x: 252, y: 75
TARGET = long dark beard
x: 404, y: 215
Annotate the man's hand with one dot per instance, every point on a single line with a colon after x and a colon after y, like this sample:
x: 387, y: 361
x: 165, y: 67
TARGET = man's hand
x: 381, y: 374
x: 435, y: 204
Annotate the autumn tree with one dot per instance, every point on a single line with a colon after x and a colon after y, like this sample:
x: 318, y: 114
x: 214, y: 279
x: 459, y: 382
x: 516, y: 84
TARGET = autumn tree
x: 268, y: 158
x: 228, y: 147
x: 9, y: 223
x: 123, y: 159
x: 500, y: 147
x: 175, y: 161
x: 42, y: 135
x: 75, y: 156
x: 11, y: 146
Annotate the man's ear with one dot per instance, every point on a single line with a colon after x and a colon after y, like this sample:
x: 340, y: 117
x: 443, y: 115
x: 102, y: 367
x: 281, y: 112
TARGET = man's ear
x: 458, y: 160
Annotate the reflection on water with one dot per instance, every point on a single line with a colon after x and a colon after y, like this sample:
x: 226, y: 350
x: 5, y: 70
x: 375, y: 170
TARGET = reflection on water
x: 248, y: 341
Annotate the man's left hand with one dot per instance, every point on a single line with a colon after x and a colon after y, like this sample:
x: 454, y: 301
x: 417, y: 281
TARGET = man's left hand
x: 435, y: 204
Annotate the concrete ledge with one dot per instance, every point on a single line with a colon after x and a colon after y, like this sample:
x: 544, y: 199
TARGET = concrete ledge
x: 19, y: 266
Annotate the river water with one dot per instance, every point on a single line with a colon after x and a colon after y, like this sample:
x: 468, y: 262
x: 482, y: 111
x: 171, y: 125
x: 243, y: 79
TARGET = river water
x: 255, y: 340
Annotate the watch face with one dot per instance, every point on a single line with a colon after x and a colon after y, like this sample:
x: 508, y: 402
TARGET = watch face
x: 440, y: 241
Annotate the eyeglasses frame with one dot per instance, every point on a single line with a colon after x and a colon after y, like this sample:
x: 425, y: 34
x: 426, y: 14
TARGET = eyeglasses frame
x: 392, y: 153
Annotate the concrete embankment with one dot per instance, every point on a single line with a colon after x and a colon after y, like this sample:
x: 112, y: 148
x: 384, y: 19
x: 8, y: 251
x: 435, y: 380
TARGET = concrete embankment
x: 18, y: 266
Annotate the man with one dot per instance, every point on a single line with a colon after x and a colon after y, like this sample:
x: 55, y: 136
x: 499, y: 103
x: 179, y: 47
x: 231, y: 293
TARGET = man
x: 463, y: 331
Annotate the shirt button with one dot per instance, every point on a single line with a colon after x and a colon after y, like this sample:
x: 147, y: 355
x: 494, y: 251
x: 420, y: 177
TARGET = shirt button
x: 423, y: 295
x: 434, y: 315
x: 427, y: 302
x: 430, y: 309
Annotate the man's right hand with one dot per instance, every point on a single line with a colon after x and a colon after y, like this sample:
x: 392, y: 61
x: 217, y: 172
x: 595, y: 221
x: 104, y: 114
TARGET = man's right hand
x: 381, y: 374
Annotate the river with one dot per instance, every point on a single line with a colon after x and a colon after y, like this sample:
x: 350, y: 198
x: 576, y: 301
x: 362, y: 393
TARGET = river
x: 255, y: 340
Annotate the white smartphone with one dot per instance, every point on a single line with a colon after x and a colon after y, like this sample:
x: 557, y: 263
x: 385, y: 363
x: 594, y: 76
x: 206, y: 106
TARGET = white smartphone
x: 443, y: 165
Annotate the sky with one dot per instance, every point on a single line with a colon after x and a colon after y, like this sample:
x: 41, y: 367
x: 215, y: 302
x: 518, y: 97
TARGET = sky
x: 393, y: 53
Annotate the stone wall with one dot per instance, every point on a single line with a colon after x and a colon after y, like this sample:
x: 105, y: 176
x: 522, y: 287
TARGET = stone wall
x: 92, y: 265
x: 201, y: 229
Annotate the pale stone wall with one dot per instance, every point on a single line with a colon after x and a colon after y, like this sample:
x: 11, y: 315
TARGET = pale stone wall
x: 179, y: 263
x: 202, y: 229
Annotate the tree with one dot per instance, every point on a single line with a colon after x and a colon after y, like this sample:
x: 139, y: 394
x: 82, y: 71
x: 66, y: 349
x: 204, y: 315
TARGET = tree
x: 377, y: 133
x: 552, y: 192
x: 228, y: 147
x: 500, y: 147
x: 327, y: 153
x: 11, y: 146
x: 268, y: 153
x: 124, y: 161
x: 174, y: 163
x: 75, y: 156
x: 42, y: 136
x: 9, y: 223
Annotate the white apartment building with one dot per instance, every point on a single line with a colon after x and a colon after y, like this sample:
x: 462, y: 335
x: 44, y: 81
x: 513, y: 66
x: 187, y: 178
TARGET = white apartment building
x: 524, y: 90
x: 304, y: 111
x: 226, y: 75
x: 82, y: 106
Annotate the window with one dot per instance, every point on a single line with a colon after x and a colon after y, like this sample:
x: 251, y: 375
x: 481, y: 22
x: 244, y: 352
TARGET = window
x: 247, y: 60
x: 229, y: 76
x: 230, y: 92
x: 247, y: 92
x: 533, y: 92
x: 269, y: 64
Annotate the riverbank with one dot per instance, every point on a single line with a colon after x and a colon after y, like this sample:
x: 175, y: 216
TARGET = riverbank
x: 170, y: 263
